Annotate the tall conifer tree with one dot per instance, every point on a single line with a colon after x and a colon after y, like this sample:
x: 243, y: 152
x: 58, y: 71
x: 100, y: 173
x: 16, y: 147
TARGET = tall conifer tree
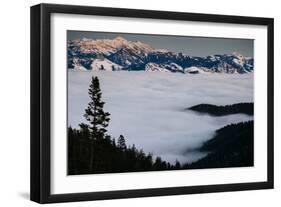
x: 98, y: 119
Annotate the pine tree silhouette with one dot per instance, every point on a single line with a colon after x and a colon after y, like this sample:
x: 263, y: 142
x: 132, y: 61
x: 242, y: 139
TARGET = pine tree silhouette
x: 98, y: 119
x: 121, y: 142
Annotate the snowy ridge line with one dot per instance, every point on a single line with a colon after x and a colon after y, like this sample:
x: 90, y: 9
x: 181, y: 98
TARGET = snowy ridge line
x: 121, y: 54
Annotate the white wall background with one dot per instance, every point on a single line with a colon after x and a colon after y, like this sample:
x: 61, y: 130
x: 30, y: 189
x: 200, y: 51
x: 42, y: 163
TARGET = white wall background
x: 14, y: 110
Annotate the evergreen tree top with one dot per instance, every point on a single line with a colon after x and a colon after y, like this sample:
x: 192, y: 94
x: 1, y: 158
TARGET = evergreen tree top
x: 98, y: 119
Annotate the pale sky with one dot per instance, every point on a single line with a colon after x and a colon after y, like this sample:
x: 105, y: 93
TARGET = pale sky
x: 193, y: 46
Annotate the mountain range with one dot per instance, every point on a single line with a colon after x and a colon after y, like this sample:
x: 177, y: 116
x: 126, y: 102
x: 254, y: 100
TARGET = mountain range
x: 122, y: 54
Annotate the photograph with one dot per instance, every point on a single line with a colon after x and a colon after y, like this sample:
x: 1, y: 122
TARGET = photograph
x: 150, y: 102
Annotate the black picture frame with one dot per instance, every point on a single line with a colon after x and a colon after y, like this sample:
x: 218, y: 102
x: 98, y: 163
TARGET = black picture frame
x: 40, y: 184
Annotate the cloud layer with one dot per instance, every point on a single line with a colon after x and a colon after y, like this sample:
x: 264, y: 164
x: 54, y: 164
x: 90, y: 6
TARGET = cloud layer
x: 148, y: 108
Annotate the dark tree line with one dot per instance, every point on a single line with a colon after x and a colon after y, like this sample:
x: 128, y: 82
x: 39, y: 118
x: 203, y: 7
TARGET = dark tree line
x: 110, y: 156
x: 243, y: 108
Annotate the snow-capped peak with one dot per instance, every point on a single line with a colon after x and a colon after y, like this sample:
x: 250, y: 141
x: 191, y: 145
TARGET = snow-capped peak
x: 122, y: 54
x: 119, y: 39
x: 109, y: 46
x: 237, y: 54
x: 238, y: 58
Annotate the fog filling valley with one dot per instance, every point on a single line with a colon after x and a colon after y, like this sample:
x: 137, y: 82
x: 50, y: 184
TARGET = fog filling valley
x: 148, y: 108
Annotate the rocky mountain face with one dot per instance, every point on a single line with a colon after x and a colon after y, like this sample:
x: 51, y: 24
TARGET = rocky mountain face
x: 121, y: 54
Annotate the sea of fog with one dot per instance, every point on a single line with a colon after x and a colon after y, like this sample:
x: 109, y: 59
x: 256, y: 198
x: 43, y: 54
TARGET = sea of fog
x: 148, y: 108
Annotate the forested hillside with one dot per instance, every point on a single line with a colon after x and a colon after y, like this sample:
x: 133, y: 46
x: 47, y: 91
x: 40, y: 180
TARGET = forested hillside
x: 239, y: 108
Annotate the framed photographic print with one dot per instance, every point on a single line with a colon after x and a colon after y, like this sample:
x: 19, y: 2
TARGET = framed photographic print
x: 133, y: 103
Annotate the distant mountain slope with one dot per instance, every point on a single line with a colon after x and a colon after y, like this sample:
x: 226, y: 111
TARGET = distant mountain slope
x: 239, y: 108
x: 99, y: 64
x: 232, y: 146
x: 135, y: 55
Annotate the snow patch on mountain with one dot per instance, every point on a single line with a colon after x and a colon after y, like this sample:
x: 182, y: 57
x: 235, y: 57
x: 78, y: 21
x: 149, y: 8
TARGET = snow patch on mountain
x: 167, y: 67
x: 79, y: 67
x: 173, y: 67
x: 105, y: 64
x: 195, y: 70
x: 238, y: 59
x: 153, y: 67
